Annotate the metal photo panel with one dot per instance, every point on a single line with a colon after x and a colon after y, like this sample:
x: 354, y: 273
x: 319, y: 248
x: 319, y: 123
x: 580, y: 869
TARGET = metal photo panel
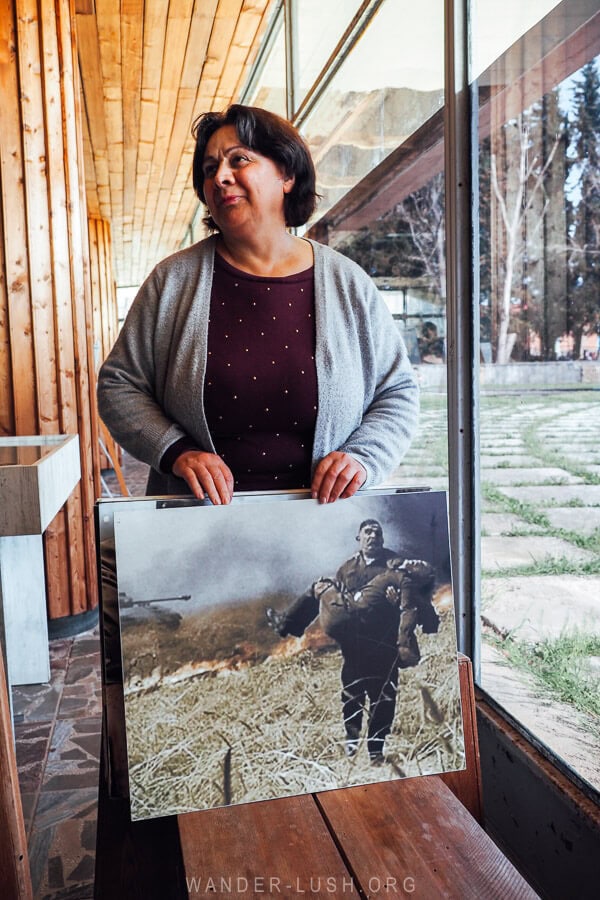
x: 271, y: 649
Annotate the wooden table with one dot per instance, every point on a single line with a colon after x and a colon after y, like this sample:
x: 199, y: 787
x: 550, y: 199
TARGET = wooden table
x: 391, y: 839
x: 412, y: 837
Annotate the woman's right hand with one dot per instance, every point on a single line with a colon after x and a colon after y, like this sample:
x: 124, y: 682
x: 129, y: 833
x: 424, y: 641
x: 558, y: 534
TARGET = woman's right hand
x: 205, y: 473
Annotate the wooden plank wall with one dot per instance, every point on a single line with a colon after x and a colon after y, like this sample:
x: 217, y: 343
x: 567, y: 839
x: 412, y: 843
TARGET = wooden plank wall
x: 104, y: 300
x: 46, y: 357
x: 104, y: 307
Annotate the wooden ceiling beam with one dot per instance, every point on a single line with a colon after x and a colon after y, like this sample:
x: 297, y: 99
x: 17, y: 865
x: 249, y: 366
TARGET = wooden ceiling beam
x: 177, y: 31
x: 183, y: 203
x: 148, y: 68
x: 91, y: 176
x: 205, y: 45
x: 199, y: 38
x: 155, y: 29
x: 108, y: 19
x: 93, y: 103
x: 132, y: 34
x: 248, y: 33
x: 241, y: 42
x: 253, y: 51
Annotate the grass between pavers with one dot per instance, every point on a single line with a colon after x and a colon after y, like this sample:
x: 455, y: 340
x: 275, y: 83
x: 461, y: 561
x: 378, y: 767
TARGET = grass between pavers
x: 538, y: 447
x: 560, y: 665
x: 431, y: 442
x: 514, y: 532
x: 551, y: 481
x: 526, y: 511
x: 583, y: 541
x: 559, y: 565
x: 523, y: 414
x: 533, y: 516
x: 432, y: 445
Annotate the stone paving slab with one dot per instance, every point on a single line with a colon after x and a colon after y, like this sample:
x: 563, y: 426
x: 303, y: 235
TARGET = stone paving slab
x: 422, y: 471
x: 491, y: 461
x: 437, y: 484
x: 580, y: 421
x: 569, y: 435
x: 586, y: 438
x: 499, y: 448
x: 494, y: 432
x: 536, y: 475
x: 580, y: 520
x: 507, y: 523
x: 567, y: 444
x: 542, y: 605
x: 493, y: 427
x: 565, y: 730
x: 512, y: 552
x: 490, y: 506
x: 555, y: 494
x: 495, y: 441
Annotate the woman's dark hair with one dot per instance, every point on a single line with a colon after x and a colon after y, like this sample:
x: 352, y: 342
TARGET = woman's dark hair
x: 271, y: 136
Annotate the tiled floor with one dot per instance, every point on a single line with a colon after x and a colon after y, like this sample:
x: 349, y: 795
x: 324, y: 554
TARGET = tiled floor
x: 57, y: 730
x: 135, y: 474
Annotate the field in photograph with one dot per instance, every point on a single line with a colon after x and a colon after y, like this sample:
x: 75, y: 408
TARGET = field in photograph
x: 215, y: 717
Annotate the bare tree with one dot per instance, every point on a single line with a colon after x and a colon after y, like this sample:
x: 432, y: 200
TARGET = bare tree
x: 514, y: 204
x: 423, y: 212
x: 584, y: 233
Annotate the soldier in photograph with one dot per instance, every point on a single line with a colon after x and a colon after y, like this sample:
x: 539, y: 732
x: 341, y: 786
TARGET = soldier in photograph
x: 371, y: 609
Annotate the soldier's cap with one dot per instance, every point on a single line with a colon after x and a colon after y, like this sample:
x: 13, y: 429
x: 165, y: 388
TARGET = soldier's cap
x: 366, y: 522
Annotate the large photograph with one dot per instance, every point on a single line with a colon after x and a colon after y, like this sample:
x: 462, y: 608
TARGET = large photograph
x: 277, y: 648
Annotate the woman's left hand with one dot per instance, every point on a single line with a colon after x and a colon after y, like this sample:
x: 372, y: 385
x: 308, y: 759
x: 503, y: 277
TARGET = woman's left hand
x: 337, y: 475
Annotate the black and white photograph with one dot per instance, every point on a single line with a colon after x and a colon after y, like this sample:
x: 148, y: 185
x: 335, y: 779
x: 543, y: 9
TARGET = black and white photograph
x: 278, y: 648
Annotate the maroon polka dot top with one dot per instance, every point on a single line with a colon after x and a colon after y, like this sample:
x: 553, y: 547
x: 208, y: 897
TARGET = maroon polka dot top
x: 260, y: 388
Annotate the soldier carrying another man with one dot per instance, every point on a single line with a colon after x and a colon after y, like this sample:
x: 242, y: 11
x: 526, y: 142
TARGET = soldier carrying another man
x: 371, y: 609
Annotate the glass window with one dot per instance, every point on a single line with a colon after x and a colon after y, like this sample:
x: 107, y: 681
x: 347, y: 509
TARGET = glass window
x: 539, y: 159
x: 392, y: 221
x: 403, y: 251
x: 319, y: 26
x: 388, y: 86
x: 269, y: 92
x: 494, y: 34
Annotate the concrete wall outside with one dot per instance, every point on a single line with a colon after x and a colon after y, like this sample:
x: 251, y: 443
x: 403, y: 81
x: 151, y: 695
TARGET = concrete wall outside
x: 552, y: 375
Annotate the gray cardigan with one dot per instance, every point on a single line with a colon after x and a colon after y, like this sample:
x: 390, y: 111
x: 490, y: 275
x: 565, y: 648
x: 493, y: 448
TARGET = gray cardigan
x: 150, y: 388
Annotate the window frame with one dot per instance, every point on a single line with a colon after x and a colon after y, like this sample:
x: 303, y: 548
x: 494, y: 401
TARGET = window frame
x: 462, y: 138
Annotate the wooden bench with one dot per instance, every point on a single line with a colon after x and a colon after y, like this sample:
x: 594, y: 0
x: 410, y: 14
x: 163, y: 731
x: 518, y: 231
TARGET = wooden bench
x: 418, y: 835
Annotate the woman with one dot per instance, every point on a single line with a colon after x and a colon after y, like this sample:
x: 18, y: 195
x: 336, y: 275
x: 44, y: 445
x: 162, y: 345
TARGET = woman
x: 256, y: 359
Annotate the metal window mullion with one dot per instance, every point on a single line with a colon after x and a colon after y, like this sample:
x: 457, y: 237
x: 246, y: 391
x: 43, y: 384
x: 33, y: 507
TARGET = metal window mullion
x: 263, y: 52
x: 348, y: 40
x: 291, y: 55
x: 463, y: 356
x: 475, y: 311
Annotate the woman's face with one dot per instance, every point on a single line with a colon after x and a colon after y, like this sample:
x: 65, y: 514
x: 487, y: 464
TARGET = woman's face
x: 242, y: 188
